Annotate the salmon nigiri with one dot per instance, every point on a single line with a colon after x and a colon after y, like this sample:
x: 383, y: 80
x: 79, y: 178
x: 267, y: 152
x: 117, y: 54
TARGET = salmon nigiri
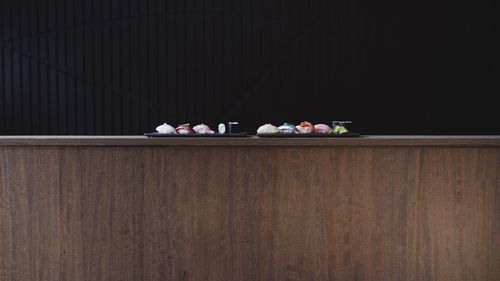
x: 305, y: 127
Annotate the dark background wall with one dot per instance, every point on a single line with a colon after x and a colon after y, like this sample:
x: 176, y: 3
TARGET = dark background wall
x: 124, y: 66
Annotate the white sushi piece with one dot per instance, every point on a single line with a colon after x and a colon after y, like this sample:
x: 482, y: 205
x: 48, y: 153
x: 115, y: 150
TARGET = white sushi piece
x: 203, y: 129
x: 166, y: 129
x: 267, y: 129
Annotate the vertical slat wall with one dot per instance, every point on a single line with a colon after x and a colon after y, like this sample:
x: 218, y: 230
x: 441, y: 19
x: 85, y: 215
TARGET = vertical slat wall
x: 124, y: 66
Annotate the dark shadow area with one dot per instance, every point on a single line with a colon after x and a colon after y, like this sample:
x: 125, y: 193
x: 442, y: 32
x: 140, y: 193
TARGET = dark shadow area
x: 124, y: 66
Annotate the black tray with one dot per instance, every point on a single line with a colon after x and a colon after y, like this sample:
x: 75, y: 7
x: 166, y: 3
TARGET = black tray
x: 279, y: 135
x: 216, y: 135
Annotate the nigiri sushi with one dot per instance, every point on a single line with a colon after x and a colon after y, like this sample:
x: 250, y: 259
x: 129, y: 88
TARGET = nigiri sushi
x: 267, y: 129
x: 166, y: 129
x: 322, y: 129
x: 339, y: 128
x: 305, y: 127
x: 184, y: 129
x: 203, y: 129
x: 287, y: 128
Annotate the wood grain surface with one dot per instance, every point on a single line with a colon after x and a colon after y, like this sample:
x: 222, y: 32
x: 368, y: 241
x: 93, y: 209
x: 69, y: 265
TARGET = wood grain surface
x: 249, y: 213
x: 447, y: 141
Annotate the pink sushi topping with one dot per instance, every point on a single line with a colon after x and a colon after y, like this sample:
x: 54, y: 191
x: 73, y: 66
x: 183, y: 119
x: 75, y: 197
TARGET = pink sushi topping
x: 184, y: 129
x: 203, y: 129
x: 322, y: 129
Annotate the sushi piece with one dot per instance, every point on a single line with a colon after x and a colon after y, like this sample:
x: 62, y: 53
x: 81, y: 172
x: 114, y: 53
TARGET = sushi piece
x: 287, y: 128
x: 184, y: 129
x: 305, y: 127
x: 267, y: 129
x: 339, y: 128
x: 322, y: 129
x: 203, y: 129
x: 166, y: 129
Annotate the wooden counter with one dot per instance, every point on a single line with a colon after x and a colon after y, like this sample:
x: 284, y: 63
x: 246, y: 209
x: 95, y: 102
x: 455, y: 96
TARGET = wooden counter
x: 131, y: 208
x: 462, y: 141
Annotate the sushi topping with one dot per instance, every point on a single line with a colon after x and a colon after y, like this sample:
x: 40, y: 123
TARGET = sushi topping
x: 339, y: 128
x: 165, y: 129
x: 203, y: 129
x: 267, y: 129
x: 287, y: 128
x: 322, y: 129
x: 184, y: 129
x: 305, y: 127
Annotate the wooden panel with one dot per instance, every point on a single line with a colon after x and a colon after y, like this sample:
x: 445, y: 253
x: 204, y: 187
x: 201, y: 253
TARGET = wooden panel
x: 112, y: 208
x: 383, y: 213
x: 31, y: 242
x: 206, y: 231
x: 457, y: 215
x: 72, y: 213
x: 249, y: 213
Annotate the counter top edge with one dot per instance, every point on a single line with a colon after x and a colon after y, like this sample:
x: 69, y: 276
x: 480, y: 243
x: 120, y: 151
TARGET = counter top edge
x: 250, y: 141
